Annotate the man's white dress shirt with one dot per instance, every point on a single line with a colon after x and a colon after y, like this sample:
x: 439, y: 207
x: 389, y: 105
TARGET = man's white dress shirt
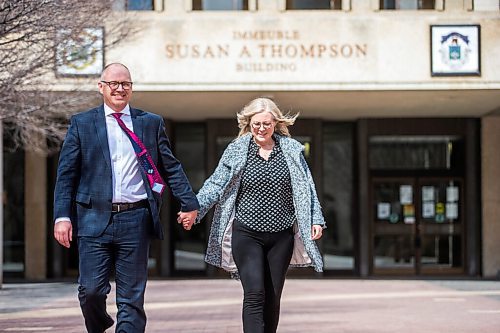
x: 128, y: 185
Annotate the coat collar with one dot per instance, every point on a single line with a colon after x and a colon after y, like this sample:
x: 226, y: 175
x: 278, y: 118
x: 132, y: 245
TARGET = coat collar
x: 138, y: 122
x: 237, y: 152
x: 102, y: 136
x: 287, y: 144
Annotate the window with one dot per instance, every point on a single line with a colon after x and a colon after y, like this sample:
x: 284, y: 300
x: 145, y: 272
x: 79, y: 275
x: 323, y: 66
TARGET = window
x: 189, y: 247
x: 13, y: 211
x: 415, y: 152
x: 220, y: 4
x: 407, y: 4
x: 338, y: 245
x: 313, y: 4
x: 140, y: 5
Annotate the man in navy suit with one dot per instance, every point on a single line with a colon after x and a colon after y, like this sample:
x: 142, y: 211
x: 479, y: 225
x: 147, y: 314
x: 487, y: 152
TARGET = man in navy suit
x: 105, y: 195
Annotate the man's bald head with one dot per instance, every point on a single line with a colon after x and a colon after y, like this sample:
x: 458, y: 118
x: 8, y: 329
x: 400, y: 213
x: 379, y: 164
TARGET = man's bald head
x: 114, y: 67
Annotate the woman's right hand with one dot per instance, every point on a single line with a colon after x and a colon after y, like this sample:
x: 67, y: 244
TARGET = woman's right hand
x: 316, y: 232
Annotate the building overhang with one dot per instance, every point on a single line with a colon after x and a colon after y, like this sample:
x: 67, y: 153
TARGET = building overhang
x: 326, y: 105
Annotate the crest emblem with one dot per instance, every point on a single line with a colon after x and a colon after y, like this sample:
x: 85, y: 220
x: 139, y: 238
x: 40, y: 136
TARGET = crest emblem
x: 82, y: 54
x: 455, y: 50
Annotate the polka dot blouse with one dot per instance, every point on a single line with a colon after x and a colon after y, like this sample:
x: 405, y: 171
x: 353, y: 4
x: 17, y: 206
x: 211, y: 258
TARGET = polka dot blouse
x: 265, y: 200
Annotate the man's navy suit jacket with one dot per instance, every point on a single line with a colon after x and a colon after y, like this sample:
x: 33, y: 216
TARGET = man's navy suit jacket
x: 83, y: 189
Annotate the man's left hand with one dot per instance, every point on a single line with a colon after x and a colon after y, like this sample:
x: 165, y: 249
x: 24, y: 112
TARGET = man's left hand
x: 187, y: 219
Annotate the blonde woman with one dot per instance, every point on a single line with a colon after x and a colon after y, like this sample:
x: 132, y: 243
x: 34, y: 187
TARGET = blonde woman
x: 267, y: 214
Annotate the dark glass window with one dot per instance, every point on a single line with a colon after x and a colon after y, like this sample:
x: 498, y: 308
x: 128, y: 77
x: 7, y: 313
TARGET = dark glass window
x: 394, y: 251
x: 13, y: 212
x: 407, y: 4
x: 440, y: 251
x: 415, y: 152
x: 313, y: 4
x: 220, y: 4
x: 338, y: 239
x: 189, y: 247
x: 140, y: 5
x: 307, y: 142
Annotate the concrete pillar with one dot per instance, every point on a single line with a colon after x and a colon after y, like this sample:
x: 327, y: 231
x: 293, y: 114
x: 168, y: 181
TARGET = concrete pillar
x: 173, y: 6
x: 272, y: 6
x: 158, y: 5
x: 35, y: 230
x: 469, y: 5
x: 439, y: 5
x: 490, y: 164
x: 454, y: 5
x: 373, y: 4
x: 361, y: 5
x: 252, y: 5
x: 346, y: 5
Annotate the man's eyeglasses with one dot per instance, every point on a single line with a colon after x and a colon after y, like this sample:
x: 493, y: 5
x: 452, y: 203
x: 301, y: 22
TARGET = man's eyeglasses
x: 257, y: 125
x: 113, y: 85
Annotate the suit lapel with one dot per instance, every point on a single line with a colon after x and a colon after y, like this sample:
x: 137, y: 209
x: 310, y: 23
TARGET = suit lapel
x: 137, y: 123
x: 102, y: 133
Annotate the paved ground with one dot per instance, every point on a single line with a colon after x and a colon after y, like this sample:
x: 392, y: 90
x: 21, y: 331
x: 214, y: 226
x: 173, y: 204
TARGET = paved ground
x: 316, y: 306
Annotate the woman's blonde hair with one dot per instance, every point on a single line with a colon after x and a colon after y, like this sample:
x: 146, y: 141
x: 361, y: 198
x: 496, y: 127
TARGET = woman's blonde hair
x: 263, y: 104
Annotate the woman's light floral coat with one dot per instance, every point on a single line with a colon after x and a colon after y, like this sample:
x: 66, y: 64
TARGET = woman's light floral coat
x: 221, y: 190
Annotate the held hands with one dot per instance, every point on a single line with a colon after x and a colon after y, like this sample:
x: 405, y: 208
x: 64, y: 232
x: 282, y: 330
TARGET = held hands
x: 316, y: 232
x: 187, y: 219
x: 63, y: 233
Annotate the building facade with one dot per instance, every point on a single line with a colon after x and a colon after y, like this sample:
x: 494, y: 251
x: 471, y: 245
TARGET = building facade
x: 399, y: 105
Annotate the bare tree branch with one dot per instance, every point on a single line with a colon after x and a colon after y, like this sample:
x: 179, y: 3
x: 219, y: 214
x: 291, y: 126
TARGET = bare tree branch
x: 31, y: 31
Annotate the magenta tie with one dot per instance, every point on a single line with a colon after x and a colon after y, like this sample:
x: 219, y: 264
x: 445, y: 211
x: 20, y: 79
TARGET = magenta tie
x: 143, y: 157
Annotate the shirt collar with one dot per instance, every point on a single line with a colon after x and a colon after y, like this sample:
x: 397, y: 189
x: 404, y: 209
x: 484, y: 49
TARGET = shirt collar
x: 276, y: 140
x: 254, y: 147
x: 108, y: 111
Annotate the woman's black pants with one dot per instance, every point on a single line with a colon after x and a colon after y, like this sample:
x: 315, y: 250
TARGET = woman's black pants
x: 262, y: 259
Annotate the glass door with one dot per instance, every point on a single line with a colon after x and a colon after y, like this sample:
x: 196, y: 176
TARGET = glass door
x: 441, y: 214
x: 394, y: 226
x: 417, y: 226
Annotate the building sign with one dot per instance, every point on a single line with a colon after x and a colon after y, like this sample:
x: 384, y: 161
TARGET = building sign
x: 455, y: 50
x: 266, y: 51
x: 82, y: 55
x: 276, y: 55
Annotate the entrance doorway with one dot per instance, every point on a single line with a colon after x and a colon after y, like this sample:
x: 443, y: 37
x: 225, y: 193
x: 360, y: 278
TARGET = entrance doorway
x: 418, y: 197
x: 417, y: 225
